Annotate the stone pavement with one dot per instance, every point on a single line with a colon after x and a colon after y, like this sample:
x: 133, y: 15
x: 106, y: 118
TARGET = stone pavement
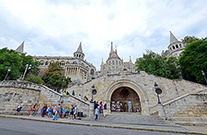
x: 158, y: 128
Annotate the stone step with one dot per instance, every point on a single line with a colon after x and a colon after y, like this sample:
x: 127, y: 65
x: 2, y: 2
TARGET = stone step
x: 133, y: 118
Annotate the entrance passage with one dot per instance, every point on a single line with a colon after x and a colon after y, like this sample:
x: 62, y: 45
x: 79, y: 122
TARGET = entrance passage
x: 125, y: 99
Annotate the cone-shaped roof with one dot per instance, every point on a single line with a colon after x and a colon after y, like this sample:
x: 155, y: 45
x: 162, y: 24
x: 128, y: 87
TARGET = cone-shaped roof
x: 172, y: 38
x: 20, y: 49
x: 80, y: 48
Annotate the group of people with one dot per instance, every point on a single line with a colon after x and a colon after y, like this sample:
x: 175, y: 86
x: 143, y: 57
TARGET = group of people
x: 100, y: 108
x: 55, y: 112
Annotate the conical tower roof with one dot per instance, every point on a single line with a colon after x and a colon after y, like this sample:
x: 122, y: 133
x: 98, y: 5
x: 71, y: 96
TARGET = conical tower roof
x: 20, y: 49
x: 80, y: 48
x: 173, y: 39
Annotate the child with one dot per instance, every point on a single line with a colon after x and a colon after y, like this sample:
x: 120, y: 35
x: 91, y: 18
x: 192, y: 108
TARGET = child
x: 55, y: 117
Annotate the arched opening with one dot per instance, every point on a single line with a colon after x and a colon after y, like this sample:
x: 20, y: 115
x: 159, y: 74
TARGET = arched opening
x: 125, y: 99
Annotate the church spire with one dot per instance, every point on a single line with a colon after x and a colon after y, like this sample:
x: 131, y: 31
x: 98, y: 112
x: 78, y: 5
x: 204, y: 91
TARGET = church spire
x: 172, y: 38
x: 130, y: 59
x: 20, y: 49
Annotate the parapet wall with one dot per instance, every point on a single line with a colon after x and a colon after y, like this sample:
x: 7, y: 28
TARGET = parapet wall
x: 13, y: 92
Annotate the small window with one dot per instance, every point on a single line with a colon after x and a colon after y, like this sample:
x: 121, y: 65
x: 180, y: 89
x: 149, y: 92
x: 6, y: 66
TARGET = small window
x: 116, y: 62
x: 176, y: 46
x: 112, y: 62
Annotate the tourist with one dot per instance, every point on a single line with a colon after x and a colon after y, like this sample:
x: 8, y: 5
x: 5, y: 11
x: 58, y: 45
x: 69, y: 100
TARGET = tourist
x: 31, y: 111
x: 36, y: 108
x: 96, y: 113
x: 64, y: 112
x: 79, y: 96
x: 55, y: 116
x: 19, y: 107
x: 74, y: 112
x: 58, y: 110
x: 101, y: 107
x: 50, y: 111
x: 54, y: 109
x: 73, y: 93
x: 67, y: 112
x: 67, y: 93
x: 71, y: 112
x: 105, y: 110
x: 43, y: 111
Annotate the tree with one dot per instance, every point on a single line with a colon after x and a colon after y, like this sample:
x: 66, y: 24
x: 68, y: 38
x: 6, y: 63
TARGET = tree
x: 159, y: 65
x: 193, y: 60
x: 10, y: 58
x: 35, y: 79
x: 189, y: 39
x: 54, y: 77
x: 30, y: 61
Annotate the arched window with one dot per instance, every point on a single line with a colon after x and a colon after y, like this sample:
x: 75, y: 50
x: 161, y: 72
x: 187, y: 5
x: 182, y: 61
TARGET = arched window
x: 173, y: 47
x: 109, y: 63
x: 176, y: 46
x: 46, y: 63
x: 116, y: 62
x: 112, y: 62
x: 180, y: 45
x: 42, y: 62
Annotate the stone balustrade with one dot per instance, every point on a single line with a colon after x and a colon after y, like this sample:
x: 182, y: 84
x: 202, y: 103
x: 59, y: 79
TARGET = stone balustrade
x: 12, y: 92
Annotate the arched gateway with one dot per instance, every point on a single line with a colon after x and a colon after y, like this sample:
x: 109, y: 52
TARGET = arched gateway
x: 128, y: 95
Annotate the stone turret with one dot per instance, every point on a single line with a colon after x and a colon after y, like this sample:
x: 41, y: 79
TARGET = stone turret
x: 20, y: 49
x: 175, y: 47
x: 79, y: 53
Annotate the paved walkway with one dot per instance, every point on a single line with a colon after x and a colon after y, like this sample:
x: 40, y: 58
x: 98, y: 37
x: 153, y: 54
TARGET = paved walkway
x: 168, y: 129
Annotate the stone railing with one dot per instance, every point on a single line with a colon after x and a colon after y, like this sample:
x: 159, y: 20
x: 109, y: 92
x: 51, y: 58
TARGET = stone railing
x: 188, y: 105
x: 46, y: 96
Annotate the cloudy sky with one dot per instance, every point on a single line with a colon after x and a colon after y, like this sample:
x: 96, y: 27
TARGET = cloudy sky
x: 56, y: 27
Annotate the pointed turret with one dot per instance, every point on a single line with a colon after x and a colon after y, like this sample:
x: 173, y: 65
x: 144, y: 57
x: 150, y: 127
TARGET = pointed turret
x: 173, y: 39
x: 130, y: 59
x: 80, y: 48
x: 112, y: 48
x: 79, y: 53
x: 20, y: 49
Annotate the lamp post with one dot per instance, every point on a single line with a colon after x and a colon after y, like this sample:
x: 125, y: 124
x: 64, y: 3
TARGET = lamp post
x: 158, y: 91
x: 26, y: 70
x: 93, y: 87
x: 9, y: 69
x: 203, y: 73
x: 63, y: 83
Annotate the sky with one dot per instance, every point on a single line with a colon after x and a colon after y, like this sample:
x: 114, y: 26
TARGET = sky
x: 56, y: 27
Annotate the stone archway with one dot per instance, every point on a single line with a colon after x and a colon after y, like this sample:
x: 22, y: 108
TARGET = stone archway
x: 125, y: 99
x: 144, y: 100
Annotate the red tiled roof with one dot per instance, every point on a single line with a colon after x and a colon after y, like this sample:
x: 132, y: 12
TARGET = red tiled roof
x: 114, y: 55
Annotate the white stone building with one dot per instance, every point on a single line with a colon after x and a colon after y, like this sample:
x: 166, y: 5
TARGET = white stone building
x: 114, y: 64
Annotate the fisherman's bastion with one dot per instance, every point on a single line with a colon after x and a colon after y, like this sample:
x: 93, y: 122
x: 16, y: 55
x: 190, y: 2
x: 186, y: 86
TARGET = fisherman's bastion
x: 118, y: 84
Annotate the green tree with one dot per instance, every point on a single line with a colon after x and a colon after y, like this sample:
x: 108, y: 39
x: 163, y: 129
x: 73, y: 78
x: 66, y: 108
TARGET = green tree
x: 189, y: 39
x: 35, y: 79
x: 30, y: 61
x: 54, y: 77
x: 193, y: 60
x: 159, y: 65
x: 10, y: 58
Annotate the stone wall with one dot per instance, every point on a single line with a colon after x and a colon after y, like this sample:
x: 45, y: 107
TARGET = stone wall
x: 142, y: 84
x: 189, y: 105
x: 13, y: 92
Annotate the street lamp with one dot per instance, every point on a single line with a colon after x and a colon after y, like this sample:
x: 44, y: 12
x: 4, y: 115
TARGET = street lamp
x: 203, y: 73
x: 26, y: 70
x: 63, y: 83
x: 9, y: 69
x: 94, y: 91
x: 158, y: 91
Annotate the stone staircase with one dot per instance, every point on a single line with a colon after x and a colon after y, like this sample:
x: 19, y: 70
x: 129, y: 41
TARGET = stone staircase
x: 131, y: 118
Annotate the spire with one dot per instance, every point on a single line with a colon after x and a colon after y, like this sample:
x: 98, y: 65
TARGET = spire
x: 80, y: 48
x: 112, y: 48
x: 130, y: 59
x: 116, y: 49
x: 172, y: 38
x: 102, y: 62
x: 20, y: 49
